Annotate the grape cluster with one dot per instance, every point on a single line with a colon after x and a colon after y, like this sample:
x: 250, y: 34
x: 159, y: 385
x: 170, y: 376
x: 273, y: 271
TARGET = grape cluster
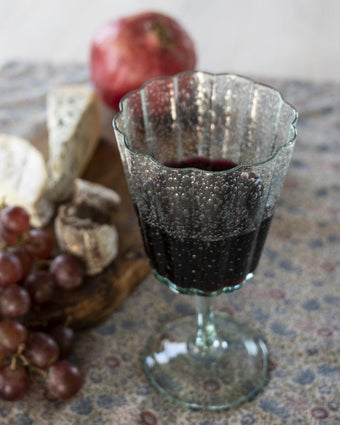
x: 30, y: 273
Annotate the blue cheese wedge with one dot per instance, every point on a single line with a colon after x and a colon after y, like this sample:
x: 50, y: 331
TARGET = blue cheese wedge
x: 23, y: 178
x: 74, y: 129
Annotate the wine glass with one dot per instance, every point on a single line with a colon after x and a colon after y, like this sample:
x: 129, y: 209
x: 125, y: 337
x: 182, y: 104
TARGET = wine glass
x: 205, y: 158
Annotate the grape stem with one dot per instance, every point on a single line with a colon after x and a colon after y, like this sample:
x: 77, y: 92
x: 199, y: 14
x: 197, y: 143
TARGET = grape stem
x: 39, y: 371
x: 41, y: 262
x: 25, y: 362
x: 13, y: 364
x: 19, y: 355
x: 68, y: 321
x: 21, y: 349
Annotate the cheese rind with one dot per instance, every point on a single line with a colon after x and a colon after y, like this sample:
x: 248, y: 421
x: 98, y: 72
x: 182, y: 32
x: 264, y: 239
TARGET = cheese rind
x: 23, y: 178
x: 95, y: 195
x: 96, y: 244
x: 84, y: 226
x: 74, y: 129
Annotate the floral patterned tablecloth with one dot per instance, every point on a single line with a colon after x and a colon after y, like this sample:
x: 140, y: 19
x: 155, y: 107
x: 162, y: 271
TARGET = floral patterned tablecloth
x: 294, y: 298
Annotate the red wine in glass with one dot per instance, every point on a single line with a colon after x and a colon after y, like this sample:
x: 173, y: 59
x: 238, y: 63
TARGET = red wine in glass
x: 208, y: 265
x: 204, y: 220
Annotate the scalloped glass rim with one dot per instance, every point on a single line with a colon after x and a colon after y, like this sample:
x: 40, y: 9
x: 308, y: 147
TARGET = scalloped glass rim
x: 227, y: 74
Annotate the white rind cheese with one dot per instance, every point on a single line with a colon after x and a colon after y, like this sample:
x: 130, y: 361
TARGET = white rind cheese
x: 23, y: 178
x: 84, y: 226
x: 74, y: 129
x: 94, y: 194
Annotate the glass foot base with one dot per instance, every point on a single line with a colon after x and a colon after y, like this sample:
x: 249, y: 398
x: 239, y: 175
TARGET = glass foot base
x: 229, y: 373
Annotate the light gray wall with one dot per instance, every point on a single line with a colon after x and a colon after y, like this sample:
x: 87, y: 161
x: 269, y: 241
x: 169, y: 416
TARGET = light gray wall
x: 279, y: 38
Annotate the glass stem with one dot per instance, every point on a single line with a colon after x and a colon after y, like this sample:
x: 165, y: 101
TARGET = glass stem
x: 206, y: 338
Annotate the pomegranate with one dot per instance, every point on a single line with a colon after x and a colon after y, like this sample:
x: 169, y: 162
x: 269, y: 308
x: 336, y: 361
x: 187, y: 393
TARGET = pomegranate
x: 127, y: 52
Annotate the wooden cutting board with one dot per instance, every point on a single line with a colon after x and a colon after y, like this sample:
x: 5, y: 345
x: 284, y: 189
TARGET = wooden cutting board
x: 102, y: 294
x: 23, y: 90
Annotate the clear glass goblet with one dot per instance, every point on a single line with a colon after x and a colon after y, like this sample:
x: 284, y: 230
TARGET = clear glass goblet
x: 205, y: 158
